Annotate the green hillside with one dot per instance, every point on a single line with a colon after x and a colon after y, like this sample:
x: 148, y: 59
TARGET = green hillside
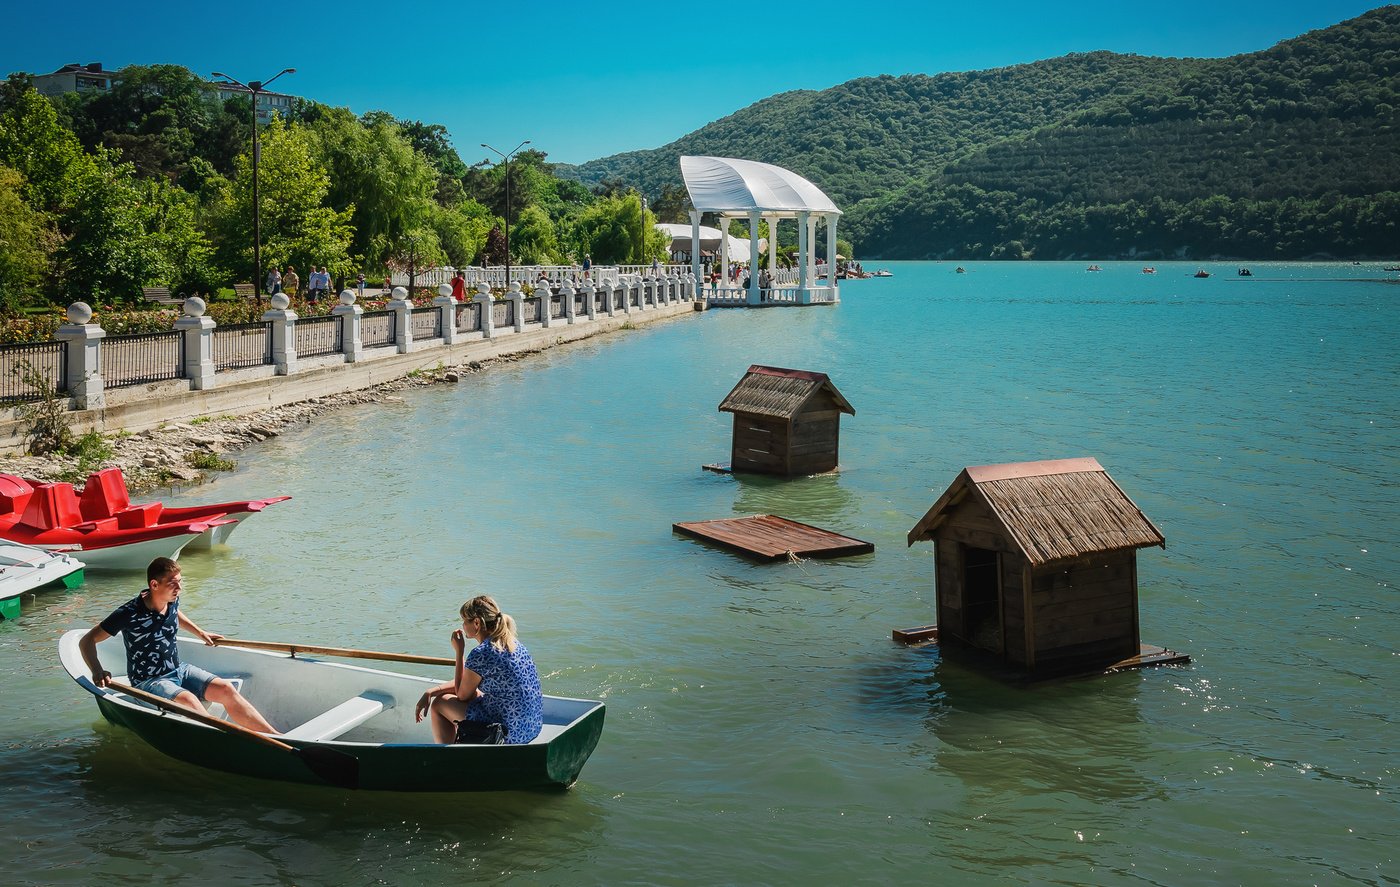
x: 1288, y: 152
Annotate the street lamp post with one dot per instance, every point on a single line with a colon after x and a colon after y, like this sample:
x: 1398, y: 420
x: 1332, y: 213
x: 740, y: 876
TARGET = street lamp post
x: 506, y: 159
x: 254, y: 87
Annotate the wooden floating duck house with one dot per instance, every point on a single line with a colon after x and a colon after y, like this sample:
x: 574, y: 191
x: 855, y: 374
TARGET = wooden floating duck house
x: 786, y: 422
x: 1036, y: 566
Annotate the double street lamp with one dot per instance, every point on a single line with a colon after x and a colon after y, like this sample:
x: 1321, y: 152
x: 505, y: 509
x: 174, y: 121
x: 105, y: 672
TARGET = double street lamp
x: 254, y: 87
x: 505, y: 158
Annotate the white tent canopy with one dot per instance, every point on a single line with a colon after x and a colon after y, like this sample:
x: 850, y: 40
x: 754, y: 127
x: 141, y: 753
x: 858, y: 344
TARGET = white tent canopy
x: 709, y: 240
x: 761, y: 192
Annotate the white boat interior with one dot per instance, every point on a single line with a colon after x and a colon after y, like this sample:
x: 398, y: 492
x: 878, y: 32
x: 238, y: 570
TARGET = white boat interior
x: 311, y: 699
x: 24, y: 567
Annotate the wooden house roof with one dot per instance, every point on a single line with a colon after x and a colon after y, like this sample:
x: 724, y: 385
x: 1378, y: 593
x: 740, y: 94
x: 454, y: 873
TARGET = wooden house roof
x: 1052, y: 510
x: 774, y: 391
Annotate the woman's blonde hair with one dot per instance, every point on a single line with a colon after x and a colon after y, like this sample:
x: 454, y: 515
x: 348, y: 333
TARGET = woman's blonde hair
x: 500, y: 627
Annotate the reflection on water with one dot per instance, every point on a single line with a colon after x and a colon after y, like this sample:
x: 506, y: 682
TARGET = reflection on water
x: 820, y: 499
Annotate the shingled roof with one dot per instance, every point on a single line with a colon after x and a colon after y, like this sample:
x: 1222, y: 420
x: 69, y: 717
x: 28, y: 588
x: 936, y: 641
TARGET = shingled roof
x: 774, y: 391
x: 1052, y: 510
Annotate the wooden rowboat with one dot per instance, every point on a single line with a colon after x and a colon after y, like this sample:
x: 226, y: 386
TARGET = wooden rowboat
x: 365, y: 713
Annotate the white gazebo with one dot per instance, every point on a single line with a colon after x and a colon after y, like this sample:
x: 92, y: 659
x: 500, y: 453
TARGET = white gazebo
x: 746, y: 189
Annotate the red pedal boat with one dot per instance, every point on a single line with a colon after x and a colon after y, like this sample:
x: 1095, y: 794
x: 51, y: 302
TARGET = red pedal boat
x: 105, y: 530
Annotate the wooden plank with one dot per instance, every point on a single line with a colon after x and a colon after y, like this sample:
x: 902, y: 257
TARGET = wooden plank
x: 772, y: 538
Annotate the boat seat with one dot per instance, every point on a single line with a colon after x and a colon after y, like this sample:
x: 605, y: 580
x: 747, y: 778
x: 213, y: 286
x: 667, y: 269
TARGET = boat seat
x: 137, y: 516
x: 14, y: 493
x: 215, y: 708
x: 104, y: 495
x: 548, y: 732
x: 50, y: 507
x: 340, y: 720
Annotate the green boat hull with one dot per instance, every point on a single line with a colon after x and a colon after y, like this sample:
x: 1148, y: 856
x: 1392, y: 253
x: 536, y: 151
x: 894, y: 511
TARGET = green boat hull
x: 382, y: 767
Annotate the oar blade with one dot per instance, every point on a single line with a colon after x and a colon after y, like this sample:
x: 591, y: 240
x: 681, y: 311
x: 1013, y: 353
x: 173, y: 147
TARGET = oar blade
x: 335, y: 767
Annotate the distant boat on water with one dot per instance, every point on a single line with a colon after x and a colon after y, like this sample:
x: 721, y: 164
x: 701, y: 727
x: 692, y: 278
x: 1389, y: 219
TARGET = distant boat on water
x: 1201, y: 272
x: 1245, y: 272
x: 1149, y: 270
x: 960, y: 270
x: 1093, y: 268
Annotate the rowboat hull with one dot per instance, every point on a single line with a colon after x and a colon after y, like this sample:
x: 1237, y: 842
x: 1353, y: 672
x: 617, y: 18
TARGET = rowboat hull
x: 394, y: 753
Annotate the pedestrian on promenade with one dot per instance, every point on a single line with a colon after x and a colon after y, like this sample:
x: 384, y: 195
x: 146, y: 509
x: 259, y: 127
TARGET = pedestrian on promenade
x: 361, y: 285
x: 274, y: 281
x: 459, y: 285
x: 291, y: 283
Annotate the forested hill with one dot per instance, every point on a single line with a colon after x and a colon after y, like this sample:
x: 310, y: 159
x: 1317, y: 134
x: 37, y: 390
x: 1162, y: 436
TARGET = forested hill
x: 871, y: 135
x: 1289, y: 152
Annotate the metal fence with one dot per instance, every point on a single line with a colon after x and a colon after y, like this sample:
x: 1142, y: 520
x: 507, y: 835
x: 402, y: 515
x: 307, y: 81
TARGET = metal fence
x: 426, y: 323
x: 377, y: 328
x: 503, y: 314
x: 238, y: 346
x: 315, y: 336
x: 139, y: 358
x: 469, y: 317
x: 32, y: 370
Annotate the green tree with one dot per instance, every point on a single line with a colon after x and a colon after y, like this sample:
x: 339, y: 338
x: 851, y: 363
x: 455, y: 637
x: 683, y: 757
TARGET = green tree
x: 297, y: 225
x: 532, y: 238
x: 24, y: 262
x: 376, y: 176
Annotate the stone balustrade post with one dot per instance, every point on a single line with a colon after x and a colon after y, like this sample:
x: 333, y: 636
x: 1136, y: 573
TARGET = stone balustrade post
x: 488, y: 314
x: 197, y: 331
x: 447, y: 309
x: 546, y: 295
x: 589, y: 298
x: 402, y: 307
x: 284, y: 337
x: 566, y: 295
x: 518, y: 297
x: 625, y: 281
x: 84, y: 363
x: 609, y: 296
x: 352, y: 344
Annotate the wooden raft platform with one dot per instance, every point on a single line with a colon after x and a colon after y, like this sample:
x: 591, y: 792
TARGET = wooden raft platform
x: 772, y: 538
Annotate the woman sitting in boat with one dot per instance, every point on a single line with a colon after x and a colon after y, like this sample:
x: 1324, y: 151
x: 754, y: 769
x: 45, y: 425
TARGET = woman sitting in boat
x: 495, y: 683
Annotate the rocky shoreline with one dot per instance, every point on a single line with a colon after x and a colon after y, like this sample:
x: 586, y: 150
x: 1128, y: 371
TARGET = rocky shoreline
x: 186, y: 453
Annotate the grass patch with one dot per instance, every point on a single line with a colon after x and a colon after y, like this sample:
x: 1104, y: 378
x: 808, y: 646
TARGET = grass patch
x: 207, y: 460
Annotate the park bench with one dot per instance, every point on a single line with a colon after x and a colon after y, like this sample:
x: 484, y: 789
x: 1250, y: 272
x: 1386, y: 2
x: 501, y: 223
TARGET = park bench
x: 245, y: 291
x: 160, y: 295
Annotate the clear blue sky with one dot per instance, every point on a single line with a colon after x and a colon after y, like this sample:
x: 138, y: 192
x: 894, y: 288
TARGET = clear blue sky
x: 585, y: 80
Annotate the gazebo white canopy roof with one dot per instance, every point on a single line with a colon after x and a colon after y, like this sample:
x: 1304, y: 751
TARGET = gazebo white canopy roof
x: 727, y: 185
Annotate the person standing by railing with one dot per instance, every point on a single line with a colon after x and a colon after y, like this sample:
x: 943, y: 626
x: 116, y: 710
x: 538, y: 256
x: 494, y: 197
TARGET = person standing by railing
x: 274, y: 281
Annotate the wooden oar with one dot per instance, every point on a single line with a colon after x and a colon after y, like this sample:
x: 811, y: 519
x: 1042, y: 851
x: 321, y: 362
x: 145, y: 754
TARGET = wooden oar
x: 334, y: 651
x: 331, y: 765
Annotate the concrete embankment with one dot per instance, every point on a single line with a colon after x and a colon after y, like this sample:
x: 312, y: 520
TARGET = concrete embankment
x: 164, y: 433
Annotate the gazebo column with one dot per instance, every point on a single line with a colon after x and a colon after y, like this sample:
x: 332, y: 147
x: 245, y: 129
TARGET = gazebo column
x: 772, y: 249
x: 812, y: 248
x: 724, y: 250
x: 695, y: 243
x: 831, y: 255
x: 804, y: 246
x: 755, y: 294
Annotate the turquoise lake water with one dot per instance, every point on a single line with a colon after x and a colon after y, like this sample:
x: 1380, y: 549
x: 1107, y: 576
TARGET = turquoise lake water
x: 761, y: 726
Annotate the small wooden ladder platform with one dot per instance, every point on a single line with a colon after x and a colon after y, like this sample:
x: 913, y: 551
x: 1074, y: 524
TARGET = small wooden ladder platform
x: 772, y: 538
